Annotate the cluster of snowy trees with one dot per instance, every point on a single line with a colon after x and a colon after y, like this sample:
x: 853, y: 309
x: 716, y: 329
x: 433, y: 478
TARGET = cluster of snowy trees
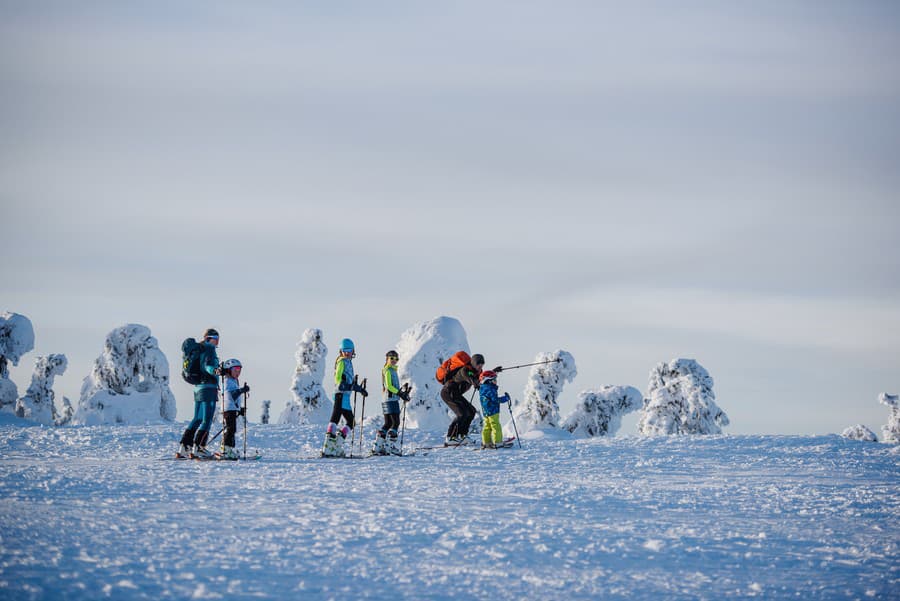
x: 890, y: 432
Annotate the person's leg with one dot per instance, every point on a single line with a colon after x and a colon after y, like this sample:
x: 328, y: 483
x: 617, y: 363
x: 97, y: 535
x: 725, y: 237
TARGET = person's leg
x: 230, y: 428
x: 453, y: 403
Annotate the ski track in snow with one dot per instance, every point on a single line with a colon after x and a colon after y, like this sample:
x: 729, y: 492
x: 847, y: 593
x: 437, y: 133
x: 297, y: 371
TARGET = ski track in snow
x: 91, y: 512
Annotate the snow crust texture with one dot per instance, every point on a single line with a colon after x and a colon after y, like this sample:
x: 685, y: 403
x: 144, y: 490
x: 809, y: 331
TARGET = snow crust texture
x: 91, y: 512
x: 16, y: 339
x: 540, y: 406
x: 39, y: 404
x: 681, y: 401
x: 422, y: 349
x: 309, y: 403
x: 129, y: 383
x: 859, y: 432
x: 599, y: 412
x: 890, y: 432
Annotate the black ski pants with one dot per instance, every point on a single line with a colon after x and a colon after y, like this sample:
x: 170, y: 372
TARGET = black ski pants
x: 391, y: 422
x: 339, y: 411
x: 230, y: 427
x: 463, y: 409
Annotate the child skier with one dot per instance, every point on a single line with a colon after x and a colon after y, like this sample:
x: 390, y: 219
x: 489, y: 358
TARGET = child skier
x: 492, y: 434
x: 386, y: 437
x: 344, y: 384
x: 232, y: 406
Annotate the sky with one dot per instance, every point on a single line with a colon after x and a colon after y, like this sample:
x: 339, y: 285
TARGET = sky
x: 629, y: 183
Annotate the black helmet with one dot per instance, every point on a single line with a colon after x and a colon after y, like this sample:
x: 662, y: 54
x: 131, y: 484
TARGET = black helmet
x: 477, y: 359
x: 391, y: 354
x: 210, y: 333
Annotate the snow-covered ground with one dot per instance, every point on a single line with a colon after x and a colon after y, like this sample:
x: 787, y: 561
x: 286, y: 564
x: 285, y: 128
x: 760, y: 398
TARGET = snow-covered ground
x: 92, y: 512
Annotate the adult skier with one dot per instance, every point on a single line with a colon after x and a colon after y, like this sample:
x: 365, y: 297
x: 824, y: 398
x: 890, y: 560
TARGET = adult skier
x: 452, y: 393
x: 344, y: 384
x: 206, y: 393
x: 386, y: 437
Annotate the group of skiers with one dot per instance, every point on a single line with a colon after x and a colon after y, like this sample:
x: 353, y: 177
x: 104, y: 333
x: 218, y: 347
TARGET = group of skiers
x: 458, y: 375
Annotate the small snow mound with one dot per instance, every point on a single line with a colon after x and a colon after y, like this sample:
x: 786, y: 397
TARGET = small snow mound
x: 654, y: 544
x: 129, y: 383
x: 859, y: 432
x: 599, y: 412
x: 310, y: 402
x: 422, y: 349
x: 540, y: 407
x: 681, y: 401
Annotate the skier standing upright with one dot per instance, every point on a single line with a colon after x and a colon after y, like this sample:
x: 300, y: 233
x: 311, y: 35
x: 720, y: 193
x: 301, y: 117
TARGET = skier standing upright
x: 233, y: 393
x: 492, y: 433
x: 457, y: 384
x: 205, y: 363
x: 386, y: 437
x: 344, y: 384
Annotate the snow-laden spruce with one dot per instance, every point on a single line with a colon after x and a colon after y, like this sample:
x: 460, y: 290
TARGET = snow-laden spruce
x: 16, y: 339
x: 890, y: 432
x: 38, y: 404
x: 129, y: 383
x: 599, y: 412
x: 266, y: 406
x: 310, y: 402
x: 859, y: 432
x: 540, y: 406
x: 681, y: 401
x: 422, y: 349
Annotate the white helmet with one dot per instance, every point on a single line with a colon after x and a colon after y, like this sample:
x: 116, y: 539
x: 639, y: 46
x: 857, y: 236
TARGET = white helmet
x: 231, y: 363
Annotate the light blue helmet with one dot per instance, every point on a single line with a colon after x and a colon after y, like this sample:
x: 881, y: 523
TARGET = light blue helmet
x: 347, y: 346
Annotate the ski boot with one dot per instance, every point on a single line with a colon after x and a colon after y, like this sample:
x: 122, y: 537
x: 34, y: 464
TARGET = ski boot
x: 201, y: 452
x: 334, y: 442
x: 393, y: 446
x: 229, y: 453
x: 183, y: 452
x: 379, y: 447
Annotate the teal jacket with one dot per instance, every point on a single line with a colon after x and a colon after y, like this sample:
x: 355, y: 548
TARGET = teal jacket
x: 210, y: 364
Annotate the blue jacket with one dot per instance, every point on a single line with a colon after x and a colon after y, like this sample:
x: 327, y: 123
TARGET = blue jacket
x: 490, y: 402
x: 210, y: 363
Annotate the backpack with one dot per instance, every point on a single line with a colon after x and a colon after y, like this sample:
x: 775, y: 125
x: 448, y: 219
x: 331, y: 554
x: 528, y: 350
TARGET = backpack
x: 192, y: 361
x: 452, y: 365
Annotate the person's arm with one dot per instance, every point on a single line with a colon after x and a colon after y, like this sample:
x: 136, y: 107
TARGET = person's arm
x: 211, y: 362
x: 339, y: 376
x: 389, y: 381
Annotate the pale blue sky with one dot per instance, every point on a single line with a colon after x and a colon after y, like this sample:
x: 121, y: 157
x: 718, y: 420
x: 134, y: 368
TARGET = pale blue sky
x: 630, y: 184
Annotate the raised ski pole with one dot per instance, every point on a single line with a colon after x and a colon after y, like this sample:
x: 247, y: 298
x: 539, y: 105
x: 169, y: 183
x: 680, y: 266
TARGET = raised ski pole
x: 362, y: 421
x: 557, y: 360
x: 353, y: 431
x: 516, y: 430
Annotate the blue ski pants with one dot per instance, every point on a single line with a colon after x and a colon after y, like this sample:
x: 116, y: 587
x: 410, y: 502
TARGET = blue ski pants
x: 204, y: 409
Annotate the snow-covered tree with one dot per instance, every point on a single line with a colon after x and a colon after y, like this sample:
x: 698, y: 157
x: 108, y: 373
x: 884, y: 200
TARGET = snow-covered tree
x: 129, y: 383
x: 38, y: 403
x: 599, y: 412
x: 859, y: 432
x: 266, y: 405
x: 16, y: 339
x: 422, y: 349
x: 681, y: 401
x: 540, y: 408
x: 310, y: 402
x: 65, y: 415
x: 890, y: 432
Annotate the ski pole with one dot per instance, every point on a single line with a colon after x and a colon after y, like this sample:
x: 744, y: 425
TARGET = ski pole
x: 213, y: 439
x: 222, y: 376
x: 246, y: 394
x: 530, y: 364
x: 362, y: 421
x: 403, y: 427
x: 516, y: 430
x: 353, y: 431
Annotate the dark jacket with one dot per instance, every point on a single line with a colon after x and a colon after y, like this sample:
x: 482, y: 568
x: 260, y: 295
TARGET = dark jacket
x: 465, y: 378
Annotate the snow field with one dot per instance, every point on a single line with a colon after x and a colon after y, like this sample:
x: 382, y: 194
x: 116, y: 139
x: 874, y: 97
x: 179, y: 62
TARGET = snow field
x: 92, y: 512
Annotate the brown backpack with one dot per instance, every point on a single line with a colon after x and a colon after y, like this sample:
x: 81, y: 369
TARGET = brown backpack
x: 451, y: 366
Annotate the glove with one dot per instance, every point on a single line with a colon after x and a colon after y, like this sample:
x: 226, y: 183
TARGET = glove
x: 504, y: 398
x: 243, y: 411
x: 245, y: 389
x: 498, y: 369
x: 403, y: 395
x: 361, y: 390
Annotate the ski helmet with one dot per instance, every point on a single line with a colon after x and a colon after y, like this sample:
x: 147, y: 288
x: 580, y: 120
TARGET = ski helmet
x: 210, y: 333
x: 477, y: 359
x: 488, y: 375
x: 347, y: 346
x: 231, y: 363
x: 392, y: 355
